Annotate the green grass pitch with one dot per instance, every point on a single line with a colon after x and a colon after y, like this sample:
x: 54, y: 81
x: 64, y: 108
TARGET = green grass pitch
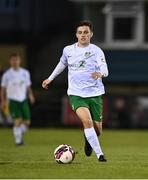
x: 126, y: 151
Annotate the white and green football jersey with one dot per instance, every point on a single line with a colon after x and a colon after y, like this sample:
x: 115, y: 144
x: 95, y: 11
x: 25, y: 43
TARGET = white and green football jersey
x: 16, y: 83
x: 81, y: 63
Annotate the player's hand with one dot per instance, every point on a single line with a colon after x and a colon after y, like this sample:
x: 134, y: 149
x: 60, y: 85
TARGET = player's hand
x: 45, y: 83
x: 96, y: 75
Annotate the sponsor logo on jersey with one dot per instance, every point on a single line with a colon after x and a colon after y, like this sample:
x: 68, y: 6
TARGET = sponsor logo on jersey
x: 87, y: 54
x: 79, y: 65
x: 82, y: 64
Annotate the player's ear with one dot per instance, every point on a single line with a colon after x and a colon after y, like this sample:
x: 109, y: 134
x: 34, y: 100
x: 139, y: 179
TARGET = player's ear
x: 76, y: 35
x: 92, y: 34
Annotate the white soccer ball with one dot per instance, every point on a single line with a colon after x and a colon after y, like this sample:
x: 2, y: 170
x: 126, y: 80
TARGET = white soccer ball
x: 64, y: 154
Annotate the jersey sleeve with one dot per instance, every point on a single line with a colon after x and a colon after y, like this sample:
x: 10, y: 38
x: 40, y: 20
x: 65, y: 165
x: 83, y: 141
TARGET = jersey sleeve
x: 28, y: 79
x: 60, y: 66
x: 63, y: 58
x: 102, y: 65
x: 4, y: 81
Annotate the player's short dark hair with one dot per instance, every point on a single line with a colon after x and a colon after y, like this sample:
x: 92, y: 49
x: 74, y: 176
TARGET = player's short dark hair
x: 14, y: 55
x: 84, y: 23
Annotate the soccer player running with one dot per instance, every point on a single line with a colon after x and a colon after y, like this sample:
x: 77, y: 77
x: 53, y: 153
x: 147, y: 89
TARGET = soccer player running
x: 15, y: 87
x: 86, y: 68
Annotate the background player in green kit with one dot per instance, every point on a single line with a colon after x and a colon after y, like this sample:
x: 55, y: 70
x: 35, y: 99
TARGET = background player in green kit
x: 15, y: 89
x: 86, y: 67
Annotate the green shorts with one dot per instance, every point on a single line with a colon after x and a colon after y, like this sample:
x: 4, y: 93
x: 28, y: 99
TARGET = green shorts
x: 19, y: 109
x: 94, y: 104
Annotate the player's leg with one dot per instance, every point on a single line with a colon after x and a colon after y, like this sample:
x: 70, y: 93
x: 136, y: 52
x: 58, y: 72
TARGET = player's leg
x: 96, y: 107
x: 17, y: 131
x: 98, y: 127
x: 87, y: 146
x: 81, y: 107
x: 14, y: 109
x: 77, y: 102
x: 25, y: 125
x: 26, y: 116
x: 89, y: 131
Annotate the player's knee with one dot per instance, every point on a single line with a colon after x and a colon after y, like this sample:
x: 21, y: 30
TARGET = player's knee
x: 88, y: 123
x: 27, y: 123
x: 18, y: 122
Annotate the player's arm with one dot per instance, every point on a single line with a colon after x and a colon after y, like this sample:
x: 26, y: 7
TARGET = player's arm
x: 31, y: 95
x: 29, y: 89
x: 59, y: 68
x: 103, y: 72
x: 103, y: 69
x: 3, y: 93
x: 3, y: 98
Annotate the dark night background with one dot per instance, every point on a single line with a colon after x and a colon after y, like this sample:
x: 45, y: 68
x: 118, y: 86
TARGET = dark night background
x: 39, y: 30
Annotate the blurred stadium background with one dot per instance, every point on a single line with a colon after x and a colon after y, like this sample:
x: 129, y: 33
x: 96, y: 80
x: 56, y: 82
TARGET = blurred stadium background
x: 39, y: 29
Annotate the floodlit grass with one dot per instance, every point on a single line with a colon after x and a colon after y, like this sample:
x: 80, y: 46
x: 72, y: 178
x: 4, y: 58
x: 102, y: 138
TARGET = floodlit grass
x: 126, y: 151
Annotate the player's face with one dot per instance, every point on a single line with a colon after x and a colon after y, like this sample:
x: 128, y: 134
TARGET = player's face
x: 83, y: 35
x: 15, y: 62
